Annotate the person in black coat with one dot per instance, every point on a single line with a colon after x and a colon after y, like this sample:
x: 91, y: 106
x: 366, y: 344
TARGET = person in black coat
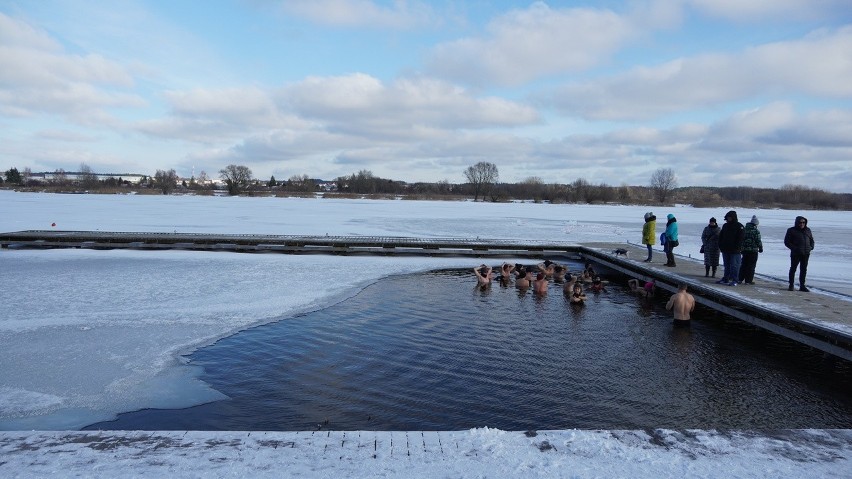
x: 731, y: 240
x: 800, y: 241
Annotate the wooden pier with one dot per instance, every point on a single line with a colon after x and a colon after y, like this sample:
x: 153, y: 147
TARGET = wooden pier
x: 289, y: 244
x: 820, y: 319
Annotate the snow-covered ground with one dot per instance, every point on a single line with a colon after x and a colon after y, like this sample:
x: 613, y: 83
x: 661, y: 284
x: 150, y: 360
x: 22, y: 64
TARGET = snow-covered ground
x: 89, y: 334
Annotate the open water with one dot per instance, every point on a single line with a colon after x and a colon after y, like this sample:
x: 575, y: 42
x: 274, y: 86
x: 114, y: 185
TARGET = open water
x: 433, y: 352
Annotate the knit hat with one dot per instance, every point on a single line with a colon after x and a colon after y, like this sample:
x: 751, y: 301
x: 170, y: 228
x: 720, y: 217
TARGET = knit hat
x: 754, y: 220
x: 713, y: 220
x: 648, y: 215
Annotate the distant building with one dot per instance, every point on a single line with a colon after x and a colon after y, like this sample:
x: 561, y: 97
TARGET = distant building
x: 73, y: 177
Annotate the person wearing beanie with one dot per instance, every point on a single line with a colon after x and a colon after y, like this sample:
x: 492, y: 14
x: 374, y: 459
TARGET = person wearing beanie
x: 800, y: 241
x: 710, y: 247
x: 731, y: 245
x: 752, y: 245
x: 671, y: 239
x: 649, y: 234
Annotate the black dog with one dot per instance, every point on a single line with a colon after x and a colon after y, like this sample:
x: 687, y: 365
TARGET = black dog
x: 620, y: 252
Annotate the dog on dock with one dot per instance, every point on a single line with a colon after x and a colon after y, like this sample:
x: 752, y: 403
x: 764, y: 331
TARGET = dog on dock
x: 621, y: 252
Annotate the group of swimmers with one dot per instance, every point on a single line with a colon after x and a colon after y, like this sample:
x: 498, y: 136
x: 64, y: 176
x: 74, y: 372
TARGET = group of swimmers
x: 538, y: 277
x: 682, y: 303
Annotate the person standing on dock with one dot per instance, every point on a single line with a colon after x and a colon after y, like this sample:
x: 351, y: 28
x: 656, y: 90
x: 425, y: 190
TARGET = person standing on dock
x: 681, y: 303
x: 800, y: 241
x: 710, y: 247
x: 731, y: 245
x: 671, y: 239
x: 649, y: 234
x: 752, y: 245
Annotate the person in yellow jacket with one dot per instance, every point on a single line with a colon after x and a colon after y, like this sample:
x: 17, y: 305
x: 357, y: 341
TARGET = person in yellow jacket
x: 649, y: 234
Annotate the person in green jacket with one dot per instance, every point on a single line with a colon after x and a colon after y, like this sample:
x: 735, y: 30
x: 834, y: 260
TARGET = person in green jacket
x: 752, y: 245
x: 649, y: 234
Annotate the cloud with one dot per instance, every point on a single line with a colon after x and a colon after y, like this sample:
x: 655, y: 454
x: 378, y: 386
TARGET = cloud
x: 362, y: 104
x: 523, y: 45
x: 38, y: 76
x: 816, y: 65
x: 400, y: 15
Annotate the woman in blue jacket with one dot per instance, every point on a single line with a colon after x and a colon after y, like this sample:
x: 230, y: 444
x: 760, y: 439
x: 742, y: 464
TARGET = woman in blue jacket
x: 671, y: 239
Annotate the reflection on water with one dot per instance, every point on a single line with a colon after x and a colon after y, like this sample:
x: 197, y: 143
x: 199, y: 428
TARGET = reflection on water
x: 435, y: 352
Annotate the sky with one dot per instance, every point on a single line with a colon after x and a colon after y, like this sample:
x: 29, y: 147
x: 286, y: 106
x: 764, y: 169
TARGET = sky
x: 723, y: 92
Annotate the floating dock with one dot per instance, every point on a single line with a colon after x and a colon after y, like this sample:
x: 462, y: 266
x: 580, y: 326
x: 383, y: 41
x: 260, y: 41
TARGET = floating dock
x: 820, y: 319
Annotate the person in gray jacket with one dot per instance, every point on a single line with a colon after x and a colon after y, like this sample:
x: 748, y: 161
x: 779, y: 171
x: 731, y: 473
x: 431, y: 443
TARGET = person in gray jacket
x: 800, y: 241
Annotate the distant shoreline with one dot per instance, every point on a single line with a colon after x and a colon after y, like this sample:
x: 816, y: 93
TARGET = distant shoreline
x: 845, y: 206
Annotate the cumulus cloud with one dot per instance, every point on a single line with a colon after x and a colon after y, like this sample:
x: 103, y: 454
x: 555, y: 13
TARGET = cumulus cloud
x: 523, y: 45
x: 360, y: 102
x: 39, y: 76
x: 399, y: 15
x: 816, y: 65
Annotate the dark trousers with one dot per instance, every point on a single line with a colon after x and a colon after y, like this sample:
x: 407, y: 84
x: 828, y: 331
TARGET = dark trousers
x: 669, y: 250
x: 650, y: 252
x: 749, y: 263
x: 732, y: 265
x: 800, y: 261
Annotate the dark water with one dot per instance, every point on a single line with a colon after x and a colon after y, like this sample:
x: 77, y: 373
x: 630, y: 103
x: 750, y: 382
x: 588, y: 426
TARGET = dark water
x: 432, y: 352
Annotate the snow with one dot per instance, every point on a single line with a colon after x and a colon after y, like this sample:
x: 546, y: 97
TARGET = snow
x: 477, y: 453
x: 88, y: 334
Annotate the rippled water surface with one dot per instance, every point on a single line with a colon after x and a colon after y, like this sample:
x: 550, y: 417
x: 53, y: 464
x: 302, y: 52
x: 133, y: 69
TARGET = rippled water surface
x: 433, y: 352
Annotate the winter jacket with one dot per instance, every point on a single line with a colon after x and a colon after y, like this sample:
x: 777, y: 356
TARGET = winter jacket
x: 751, y: 241
x: 649, y: 231
x: 799, y: 240
x: 732, y: 235
x: 710, y: 241
x: 671, y: 228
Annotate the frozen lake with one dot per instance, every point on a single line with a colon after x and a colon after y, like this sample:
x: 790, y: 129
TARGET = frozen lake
x: 90, y: 334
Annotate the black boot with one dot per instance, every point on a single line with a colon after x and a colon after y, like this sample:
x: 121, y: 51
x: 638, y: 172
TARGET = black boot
x: 714, y: 271
x: 706, y: 271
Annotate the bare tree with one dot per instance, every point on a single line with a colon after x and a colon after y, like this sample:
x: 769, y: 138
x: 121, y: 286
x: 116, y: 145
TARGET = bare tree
x: 533, y: 187
x: 26, y: 176
x: 60, y: 177
x: 237, y: 177
x: 87, y: 177
x: 301, y: 183
x: 482, y: 176
x: 663, y: 182
x: 166, y: 180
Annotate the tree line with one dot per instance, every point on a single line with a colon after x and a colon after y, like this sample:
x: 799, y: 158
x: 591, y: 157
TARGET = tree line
x: 482, y: 184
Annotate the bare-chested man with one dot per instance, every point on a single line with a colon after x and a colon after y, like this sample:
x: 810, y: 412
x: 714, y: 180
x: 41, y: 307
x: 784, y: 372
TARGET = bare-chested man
x: 578, y: 296
x: 483, y: 274
x: 522, y: 278
x: 681, y: 303
x: 559, y: 273
x: 540, y: 284
x: 568, y: 285
x: 547, y: 268
x: 506, y: 271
